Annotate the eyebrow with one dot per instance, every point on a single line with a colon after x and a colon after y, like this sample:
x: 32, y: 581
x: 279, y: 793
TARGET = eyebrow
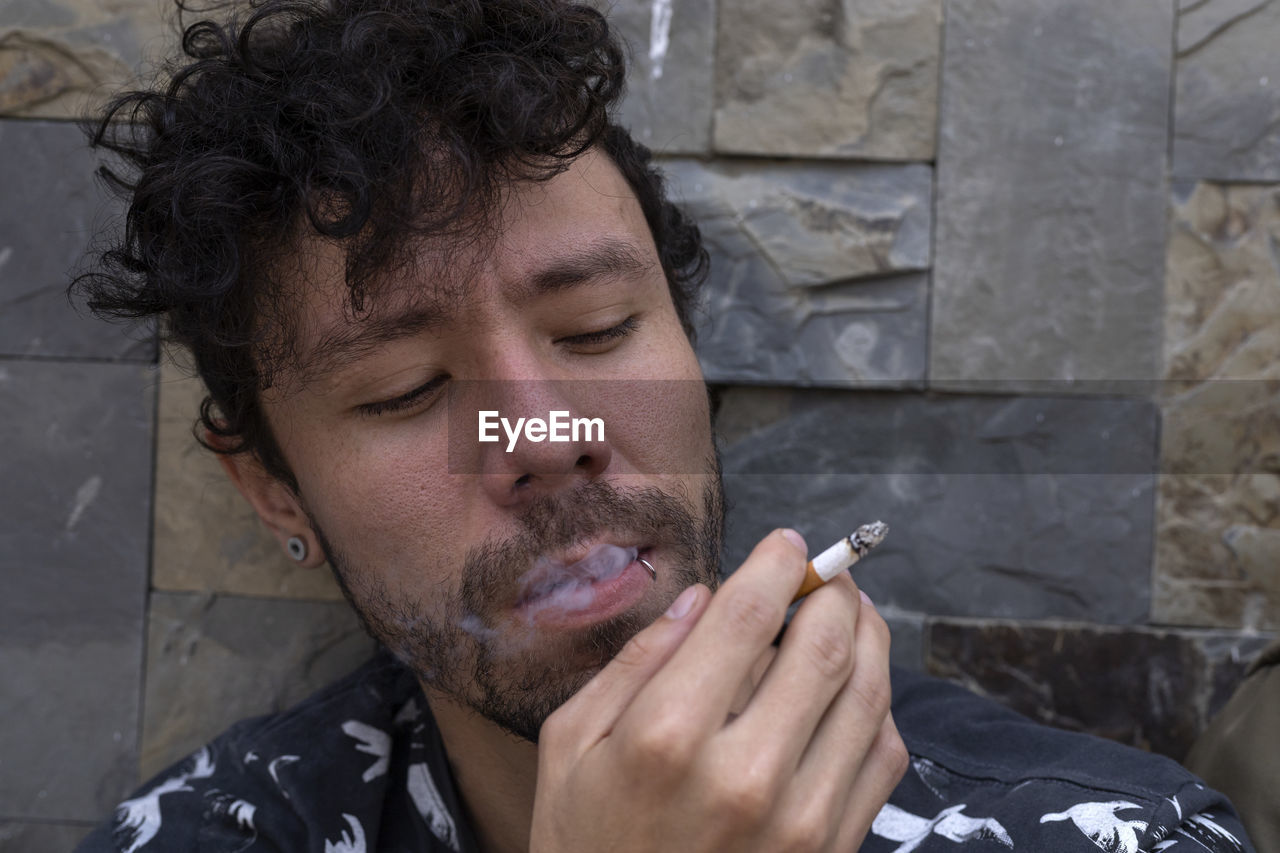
x: 601, y: 260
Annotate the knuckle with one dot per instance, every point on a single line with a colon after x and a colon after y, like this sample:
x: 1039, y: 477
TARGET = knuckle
x: 751, y: 613
x: 804, y: 835
x: 747, y: 795
x: 829, y: 649
x: 662, y: 746
x: 636, y: 651
x: 872, y: 692
x: 892, y: 752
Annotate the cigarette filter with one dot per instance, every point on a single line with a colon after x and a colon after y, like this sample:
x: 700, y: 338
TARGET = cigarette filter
x: 841, y: 556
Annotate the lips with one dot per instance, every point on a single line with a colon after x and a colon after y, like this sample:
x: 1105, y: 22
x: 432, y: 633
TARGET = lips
x: 551, y: 578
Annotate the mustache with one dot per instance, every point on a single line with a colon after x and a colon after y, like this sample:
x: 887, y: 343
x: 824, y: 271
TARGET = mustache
x: 492, y: 570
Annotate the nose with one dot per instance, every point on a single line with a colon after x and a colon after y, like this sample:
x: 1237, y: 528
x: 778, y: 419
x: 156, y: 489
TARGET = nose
x: 545, y: 442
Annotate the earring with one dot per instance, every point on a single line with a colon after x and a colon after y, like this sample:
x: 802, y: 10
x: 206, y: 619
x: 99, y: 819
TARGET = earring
x: 297, y: 548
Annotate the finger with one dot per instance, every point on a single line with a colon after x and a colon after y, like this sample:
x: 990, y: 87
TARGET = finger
x: 887, y: 761
x: 741, y: 621
x: 812, y: 668
x: 593, y: 710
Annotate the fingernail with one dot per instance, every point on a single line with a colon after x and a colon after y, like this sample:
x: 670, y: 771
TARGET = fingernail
x: 683, y: 604
x: 795, y: 539
x: 866, y: 599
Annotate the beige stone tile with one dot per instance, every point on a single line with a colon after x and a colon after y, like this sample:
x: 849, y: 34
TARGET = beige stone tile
x: 207, y: 538
x: 63, y: 58
x: 213, y: 660
x: 843, y: 80
x: 1217, y: 558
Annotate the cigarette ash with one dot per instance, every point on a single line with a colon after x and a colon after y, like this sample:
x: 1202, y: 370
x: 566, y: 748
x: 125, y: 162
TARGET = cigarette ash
x: 552, y: 585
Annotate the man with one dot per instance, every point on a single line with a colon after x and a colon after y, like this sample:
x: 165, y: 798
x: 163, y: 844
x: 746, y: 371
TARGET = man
x: 377, y: 223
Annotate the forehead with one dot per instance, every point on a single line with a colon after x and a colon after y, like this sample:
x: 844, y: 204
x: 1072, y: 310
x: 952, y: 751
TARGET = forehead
x: 581, y: 225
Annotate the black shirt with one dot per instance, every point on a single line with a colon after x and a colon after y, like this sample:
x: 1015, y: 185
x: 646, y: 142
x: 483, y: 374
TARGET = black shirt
x: 360, y: 767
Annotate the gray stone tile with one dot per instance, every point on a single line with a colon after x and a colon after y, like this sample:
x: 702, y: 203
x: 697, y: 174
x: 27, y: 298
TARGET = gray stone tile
x: 17, y: 837
x: 1012, y: 508
x: 1150, y: 688
x: 48, y: 212
x: 670, y: 72
x: 1051, y: 190
x: 73, y: 550
x: 1227, y: 91
x: 815, y: 270
x: 213, y: 660
x: 816, y: 78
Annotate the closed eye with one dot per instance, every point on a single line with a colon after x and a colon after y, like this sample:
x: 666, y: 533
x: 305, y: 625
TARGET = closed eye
x: 404, y: 401
x: 604, y: 336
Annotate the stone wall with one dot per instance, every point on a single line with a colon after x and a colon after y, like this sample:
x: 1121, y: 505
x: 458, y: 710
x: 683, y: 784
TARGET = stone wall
x: 1000, y: 272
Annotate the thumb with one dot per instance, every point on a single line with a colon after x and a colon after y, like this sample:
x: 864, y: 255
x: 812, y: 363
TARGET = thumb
x: 591, y: 713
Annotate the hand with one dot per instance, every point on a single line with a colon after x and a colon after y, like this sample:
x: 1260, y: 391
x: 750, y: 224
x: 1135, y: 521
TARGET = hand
x: 647, y: 756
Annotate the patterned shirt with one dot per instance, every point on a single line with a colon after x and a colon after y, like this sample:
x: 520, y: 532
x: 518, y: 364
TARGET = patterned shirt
x: 361, y: 767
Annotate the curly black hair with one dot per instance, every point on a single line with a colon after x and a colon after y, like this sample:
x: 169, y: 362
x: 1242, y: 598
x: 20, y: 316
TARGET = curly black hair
x: 370, y: 122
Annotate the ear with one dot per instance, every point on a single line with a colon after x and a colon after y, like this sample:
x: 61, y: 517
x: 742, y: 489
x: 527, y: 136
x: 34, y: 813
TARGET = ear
x: 275, y: 504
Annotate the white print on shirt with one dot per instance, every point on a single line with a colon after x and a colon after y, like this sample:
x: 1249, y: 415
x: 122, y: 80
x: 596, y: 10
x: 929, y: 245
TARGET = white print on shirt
x: 1205, y: 831
x: 274, y: 769
x: 138, y: 820
x: 1098, y: 821
x: 897, y: 824
x: 353, y: 843
x: 241, y: 811
x: 430, y: 805
x: 373, y: 742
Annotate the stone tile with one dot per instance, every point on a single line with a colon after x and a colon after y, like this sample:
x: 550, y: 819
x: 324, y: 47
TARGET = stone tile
x: 1149, y: 688
x: 62, y: 58
x: 1012, y: 508
x: 1218, y: 534
x: 1051, y: 191
x: 48, y: 213
x: 1227, y: 91
x: 73, y: 552
x: 671, y: 47
x: 214, y: 660
x: 813, y: 270
x: 207, y: 537
x: 16, y: 837
x: 828, y: 79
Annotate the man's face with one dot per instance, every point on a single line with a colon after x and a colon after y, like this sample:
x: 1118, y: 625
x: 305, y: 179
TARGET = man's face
x: 482, y: 567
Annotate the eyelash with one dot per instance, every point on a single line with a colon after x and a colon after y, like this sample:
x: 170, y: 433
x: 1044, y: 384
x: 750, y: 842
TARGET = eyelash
x: 612, y: 333
x: 404, y: 401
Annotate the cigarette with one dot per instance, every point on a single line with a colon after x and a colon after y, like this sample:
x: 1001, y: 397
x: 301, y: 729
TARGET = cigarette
x: 841, y: 556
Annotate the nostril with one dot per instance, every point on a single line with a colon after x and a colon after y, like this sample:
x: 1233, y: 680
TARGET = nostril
x: 524, y: 480
x: 584, y: 461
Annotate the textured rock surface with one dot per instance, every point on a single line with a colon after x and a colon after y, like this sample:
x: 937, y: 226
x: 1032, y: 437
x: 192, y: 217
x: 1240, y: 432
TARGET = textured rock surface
x: 214, y: 660
x: 1144, y: 687
x: 800, y: 288
x: 1218, y: 540
x: 207, y: 537
x: 1050, y: 216
x: 1021, y: 508
x: 828, y: 78
x: 18, y: 837
x: 76, y: 471
x: 670, y: 71
x: 1227, y: 95
x: 61, y: 58
x: 48, y: 210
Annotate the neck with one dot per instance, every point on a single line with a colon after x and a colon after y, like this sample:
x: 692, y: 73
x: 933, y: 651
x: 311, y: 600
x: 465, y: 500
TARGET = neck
x: 495, y: 771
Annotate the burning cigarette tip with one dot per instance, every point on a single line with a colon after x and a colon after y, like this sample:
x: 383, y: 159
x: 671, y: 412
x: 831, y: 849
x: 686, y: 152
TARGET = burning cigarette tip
x: 841, y: 556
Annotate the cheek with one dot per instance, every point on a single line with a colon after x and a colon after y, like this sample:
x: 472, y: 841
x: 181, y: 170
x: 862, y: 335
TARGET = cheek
x: 387, y: 502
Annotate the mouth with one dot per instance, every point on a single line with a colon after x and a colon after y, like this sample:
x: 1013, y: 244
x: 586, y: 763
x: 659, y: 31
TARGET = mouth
x: 604, y: 577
